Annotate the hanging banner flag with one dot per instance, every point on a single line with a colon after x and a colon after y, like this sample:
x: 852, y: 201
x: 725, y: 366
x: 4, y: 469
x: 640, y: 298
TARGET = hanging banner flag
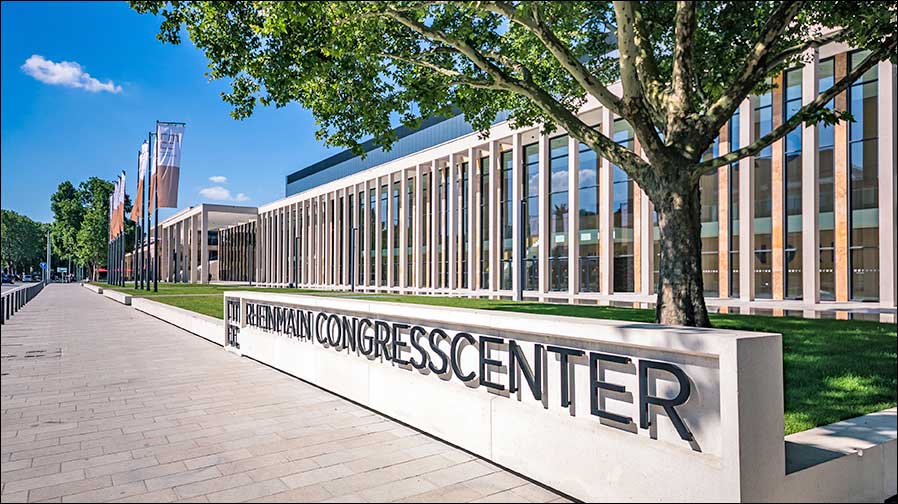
x: 115, y: 207
x: 111, y: 233
x: 167, y: 166
x: 121, y: 207
x: 142, y: 162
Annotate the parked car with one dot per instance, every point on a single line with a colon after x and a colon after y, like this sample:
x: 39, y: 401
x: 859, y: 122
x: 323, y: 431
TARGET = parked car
x: 8, y: 279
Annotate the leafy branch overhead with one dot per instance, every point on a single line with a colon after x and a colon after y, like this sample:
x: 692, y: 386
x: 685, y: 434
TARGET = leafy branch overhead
x: 684, y: 67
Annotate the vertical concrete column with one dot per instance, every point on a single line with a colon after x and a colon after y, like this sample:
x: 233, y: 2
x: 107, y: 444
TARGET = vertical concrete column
x: 573, y: 217
x: 723, y: 215
x: 322, y: 239
x: 204, y: 245
x: 378, y: 234
x: 391, y: 233
x: 402, y: 256
x: 451, y: 209
x: 516, y: 252
x: 778, y: 194
x: 841, y: 176
x: 474, y: 242
x: 544, y: 214
x: 810, y: 205
x: 646, y: 245
x: 493, y: 216
x: 606, y: 216
x: 310, y: 242
x: 345, y: 233
x: 434, y: 219
x: 278, y: 255
x: 746, y: 207
x: 887, y: 188
x: 365, y: 238
x: 418, y: 221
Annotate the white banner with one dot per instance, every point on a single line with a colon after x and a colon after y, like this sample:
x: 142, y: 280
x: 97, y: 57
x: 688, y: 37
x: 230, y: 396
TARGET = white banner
x: 143, y: 161
x: 168, y: 144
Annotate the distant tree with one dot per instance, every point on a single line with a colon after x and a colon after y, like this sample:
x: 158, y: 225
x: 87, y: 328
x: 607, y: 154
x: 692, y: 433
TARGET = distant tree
x: 68, y: 212
x: 93, y: 235
x: 22, y: 241
x: 683, y: 67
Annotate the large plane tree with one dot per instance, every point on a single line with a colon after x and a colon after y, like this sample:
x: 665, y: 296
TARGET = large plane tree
x: 684, y: 68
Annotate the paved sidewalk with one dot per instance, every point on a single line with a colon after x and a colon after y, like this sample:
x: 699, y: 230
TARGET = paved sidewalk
x: 101, y: 402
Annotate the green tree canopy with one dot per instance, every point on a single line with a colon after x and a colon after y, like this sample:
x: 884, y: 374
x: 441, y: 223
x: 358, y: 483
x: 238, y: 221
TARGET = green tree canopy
x: 22, y: 241
x: 683, y: 68
x: 68, y: 211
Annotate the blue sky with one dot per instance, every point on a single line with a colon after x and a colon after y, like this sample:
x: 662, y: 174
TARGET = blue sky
x: 53, y: 132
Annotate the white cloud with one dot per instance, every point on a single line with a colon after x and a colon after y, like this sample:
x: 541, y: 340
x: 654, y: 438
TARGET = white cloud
x: 218, y: 179
x: 216, y: 193
x: 219, y: 193
x: 65, y: 73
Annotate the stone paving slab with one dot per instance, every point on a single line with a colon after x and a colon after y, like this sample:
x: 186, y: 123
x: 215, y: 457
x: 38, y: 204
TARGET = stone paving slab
x: 102, y: 403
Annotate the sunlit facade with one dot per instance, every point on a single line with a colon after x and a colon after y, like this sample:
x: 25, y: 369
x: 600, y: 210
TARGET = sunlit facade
x: 533, y: 215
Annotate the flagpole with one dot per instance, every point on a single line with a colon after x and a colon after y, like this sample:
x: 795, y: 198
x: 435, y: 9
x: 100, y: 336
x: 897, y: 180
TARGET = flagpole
x: 134, y: 262
x: 156, y: 210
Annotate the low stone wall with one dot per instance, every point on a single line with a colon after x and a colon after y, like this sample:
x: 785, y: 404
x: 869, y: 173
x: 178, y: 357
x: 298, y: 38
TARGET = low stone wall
x: 117, y: 296
x: 203, y: 326
x: 94, y: 288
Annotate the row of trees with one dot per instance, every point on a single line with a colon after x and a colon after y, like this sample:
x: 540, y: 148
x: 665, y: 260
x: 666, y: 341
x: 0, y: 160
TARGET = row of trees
x: 80, y: 227
x: 23, y: 244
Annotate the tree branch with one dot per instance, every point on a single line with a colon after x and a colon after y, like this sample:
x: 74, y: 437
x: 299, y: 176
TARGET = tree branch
x: 682, y: 74
x: 654, y: 91
x: 560, y: 51
x: 634, y: 103
x: 805, y: 113
x: 755, y: 68
x: 458, y: 78
x: 548, y: 104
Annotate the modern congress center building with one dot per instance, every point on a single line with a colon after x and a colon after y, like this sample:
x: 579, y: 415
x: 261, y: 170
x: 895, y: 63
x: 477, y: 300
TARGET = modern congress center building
x: 527, y: 215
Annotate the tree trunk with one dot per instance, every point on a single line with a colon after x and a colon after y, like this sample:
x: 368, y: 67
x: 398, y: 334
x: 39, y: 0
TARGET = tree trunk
x: 681, y: 299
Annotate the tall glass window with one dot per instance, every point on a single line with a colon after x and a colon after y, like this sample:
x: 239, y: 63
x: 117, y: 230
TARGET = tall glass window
x: 444, y: 228
x: 395, y: 224
x: 384, y: 193
x: 558, y: 213
x: 463, y: 216
x: 734, y: 208
x: 588, y: 195
x: 372, y: 234
x: 622, y: 206
x: 792, y: 146
x: 484, y: 222
x: 360, y: 241
x: 864, y: 184
x: 763, y: 259
x: 710, y: 230
x: 826, y: 191
x: 427, y: 247
x: 505, y: 208
x: 410, y: 233
x: 338, y: 258
x: 530, y: 197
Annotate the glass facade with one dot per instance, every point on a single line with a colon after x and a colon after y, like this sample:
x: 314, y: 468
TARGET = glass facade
x: 710, y: 198
x: 505, y: 209
x: 763, y: 205
x: 863, y: 183
x: 484, y: 202
x: 734, y: 208
x: 301, y: 244
x: 530, y: 214
x: 623, y: 214
x: 589, y: 165
x: 558, y: 213
x: 792, y: 193
x: 463, y: 232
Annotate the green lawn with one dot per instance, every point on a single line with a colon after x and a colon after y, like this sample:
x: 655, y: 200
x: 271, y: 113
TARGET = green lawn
x: 833, y: 369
